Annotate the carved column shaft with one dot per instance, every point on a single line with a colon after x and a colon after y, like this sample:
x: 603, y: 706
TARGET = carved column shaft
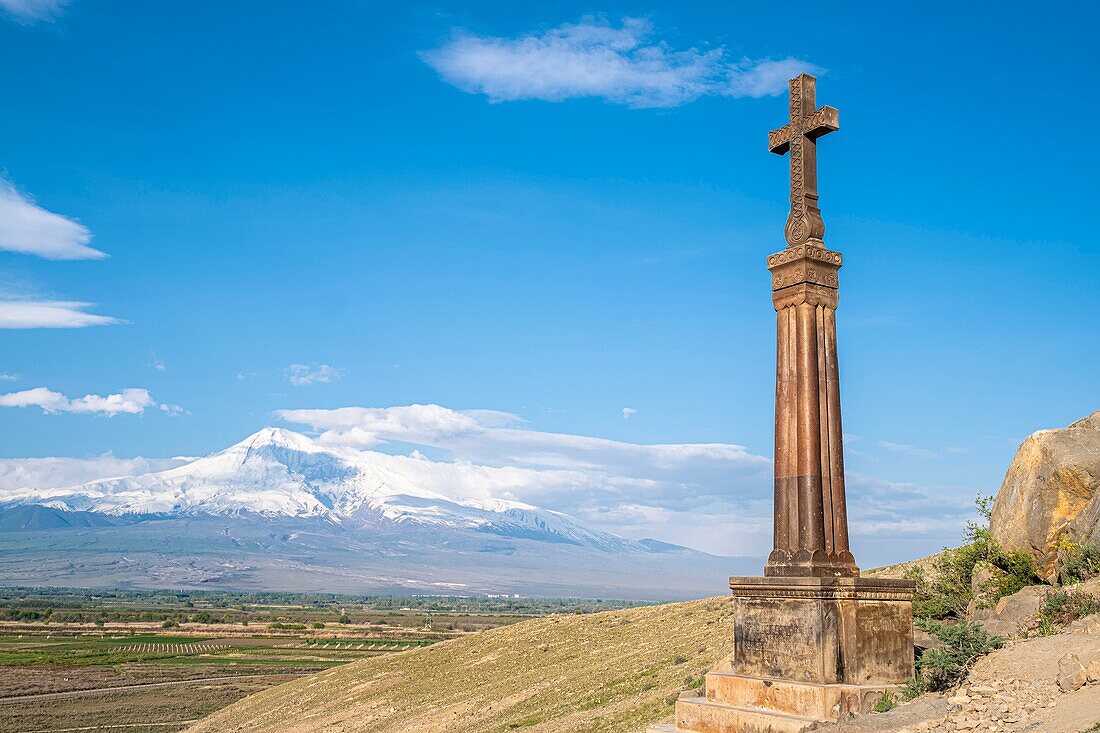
x: 811, y: 524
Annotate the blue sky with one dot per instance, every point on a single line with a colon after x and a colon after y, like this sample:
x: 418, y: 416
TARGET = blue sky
x: 555, y: 211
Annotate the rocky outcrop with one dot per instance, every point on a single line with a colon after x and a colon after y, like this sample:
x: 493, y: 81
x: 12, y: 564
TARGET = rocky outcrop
x: 1051, y: 493
x: 1013, y: 615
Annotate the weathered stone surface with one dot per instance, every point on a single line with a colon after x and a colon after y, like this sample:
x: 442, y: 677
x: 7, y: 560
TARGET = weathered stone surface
x: 824, y: 702
x: 1051, y: 492
x: 853, y: 631
x: 1014, y: 614
x: 1071, y: 673
x: 697, y: 715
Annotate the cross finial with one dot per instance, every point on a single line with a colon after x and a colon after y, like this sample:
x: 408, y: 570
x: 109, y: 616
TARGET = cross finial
x: 799, y: 137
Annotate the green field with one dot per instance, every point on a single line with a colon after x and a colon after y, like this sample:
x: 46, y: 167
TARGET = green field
x: 55, y: 682
x: 73, y: 660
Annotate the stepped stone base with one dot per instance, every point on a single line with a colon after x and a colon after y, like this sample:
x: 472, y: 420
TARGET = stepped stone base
x: 805, y: 649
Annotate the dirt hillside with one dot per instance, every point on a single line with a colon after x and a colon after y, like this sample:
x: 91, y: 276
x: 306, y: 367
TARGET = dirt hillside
x: 610, y: 672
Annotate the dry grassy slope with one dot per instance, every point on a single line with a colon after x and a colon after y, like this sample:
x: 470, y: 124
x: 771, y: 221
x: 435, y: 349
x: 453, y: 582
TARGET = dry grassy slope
x: 901, y: 570
x: 610, y: 672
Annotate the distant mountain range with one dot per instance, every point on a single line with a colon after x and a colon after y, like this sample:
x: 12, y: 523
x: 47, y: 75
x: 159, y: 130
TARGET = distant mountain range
x: 277, y: 511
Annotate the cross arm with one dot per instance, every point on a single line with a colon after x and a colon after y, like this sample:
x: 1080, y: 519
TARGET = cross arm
x: 823, y: 121
x: 779, y: 141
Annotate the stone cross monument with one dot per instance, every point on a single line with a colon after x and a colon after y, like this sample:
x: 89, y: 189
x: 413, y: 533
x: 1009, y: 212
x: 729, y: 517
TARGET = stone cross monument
x: 812, y: 640
x: 811, y: 521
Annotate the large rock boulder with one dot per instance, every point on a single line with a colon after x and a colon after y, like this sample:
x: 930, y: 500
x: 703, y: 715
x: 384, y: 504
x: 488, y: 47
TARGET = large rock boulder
x: 1014, y: 615
x: 1051, y: 492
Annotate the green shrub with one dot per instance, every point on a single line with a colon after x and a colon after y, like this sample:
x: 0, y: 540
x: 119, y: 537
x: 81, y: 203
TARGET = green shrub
x: 1077, y: 562
x: 912, y: 689
x: 169, y: 624
x: 964, y: 643
x: 946, y: 589
x: 695, y: 683
x: 1061, y: 608
x: 317, y: 625
x: 885, y: 703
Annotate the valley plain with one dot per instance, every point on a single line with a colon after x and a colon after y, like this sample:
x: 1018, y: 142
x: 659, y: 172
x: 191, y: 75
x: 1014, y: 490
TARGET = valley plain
x: 136, y: 661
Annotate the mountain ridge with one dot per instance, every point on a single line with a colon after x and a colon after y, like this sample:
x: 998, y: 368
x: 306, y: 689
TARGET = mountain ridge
x: 278, y: 472
x: 278, y: 511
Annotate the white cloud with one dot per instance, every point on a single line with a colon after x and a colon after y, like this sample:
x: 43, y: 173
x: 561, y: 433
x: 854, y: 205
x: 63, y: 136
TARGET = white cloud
x: 132, y: 401
x: 592, y: 58
x: 6, y: 377
x: 19, y: 473
x: 911, y: 450
x: 628, y: 411
x: 713, y: 496
x: 49, y: 314
x: 492, y: 437
x: 28, y: 228
x: 29, y: 11
x: 304, y: 375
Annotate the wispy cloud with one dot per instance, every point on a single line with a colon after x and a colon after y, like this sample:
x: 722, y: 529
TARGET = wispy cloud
x: 27, y: 228
x: 692, y: 494
x: 494, y: 454
x: 624, y: 64
x: 499, y: 438
x: 132, y: 401
x: 50, y: 314
x: 32, y: 11
x: 304, y: 375
x: 18, y: 473
x: 628, y: 412
x: 906, y: 449
x: 8, y: 377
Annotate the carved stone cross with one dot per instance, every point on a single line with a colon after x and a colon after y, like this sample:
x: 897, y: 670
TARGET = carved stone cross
x: 799, y: 136
x: 811, y: 518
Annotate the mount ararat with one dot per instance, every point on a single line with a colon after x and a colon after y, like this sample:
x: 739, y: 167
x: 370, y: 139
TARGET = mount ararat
x: 279, y: 511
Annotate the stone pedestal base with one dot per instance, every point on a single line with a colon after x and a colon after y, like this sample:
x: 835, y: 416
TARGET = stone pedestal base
x: 805, y: 649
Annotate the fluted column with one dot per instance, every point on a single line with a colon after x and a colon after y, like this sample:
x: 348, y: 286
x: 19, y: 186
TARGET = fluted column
x: 811, y: 522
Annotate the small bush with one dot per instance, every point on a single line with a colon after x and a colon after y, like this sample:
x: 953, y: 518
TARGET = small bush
x: 946, y: 589
x: 912, y: 689
x: 1061, y: 608
x: 1077, y: 562
x: 317, y: 625
x: 885, y: 703
x: 169, y: 624
x: 964, y: 643
x: 695, y: 683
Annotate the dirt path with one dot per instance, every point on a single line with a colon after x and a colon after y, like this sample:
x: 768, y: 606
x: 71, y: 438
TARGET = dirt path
x: 112, y: 727
x: 1013, y: 690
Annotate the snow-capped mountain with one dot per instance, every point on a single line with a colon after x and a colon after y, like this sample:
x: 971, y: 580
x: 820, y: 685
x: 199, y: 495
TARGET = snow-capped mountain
x: 278, y: 511
x: 281, y: 473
